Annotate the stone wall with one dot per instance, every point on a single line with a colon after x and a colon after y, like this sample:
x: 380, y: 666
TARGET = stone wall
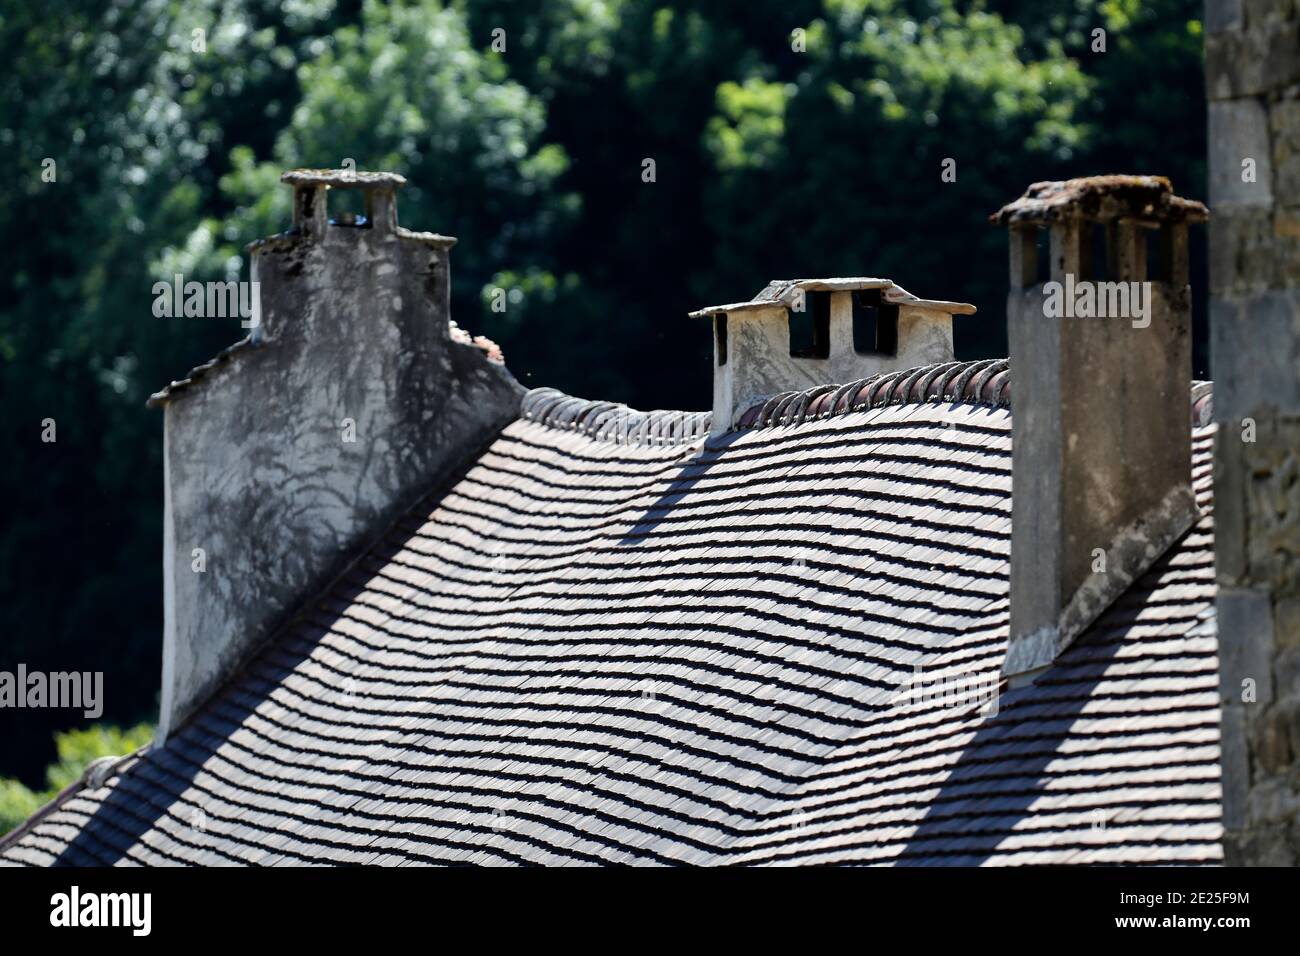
x: 1253, y: 80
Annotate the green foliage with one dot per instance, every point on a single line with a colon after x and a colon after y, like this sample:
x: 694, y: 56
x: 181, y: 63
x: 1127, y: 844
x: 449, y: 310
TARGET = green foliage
x: 406, y: 89
x: 17, y: 803
x: 76, y: 750
x: 847, y: 149
x: 770, y: 163
x: 141, y: 128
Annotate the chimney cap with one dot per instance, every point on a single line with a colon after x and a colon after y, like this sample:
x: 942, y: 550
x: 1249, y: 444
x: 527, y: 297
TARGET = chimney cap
x: 782, y: 292
x: 1102, y: 199
x: 342, y: 178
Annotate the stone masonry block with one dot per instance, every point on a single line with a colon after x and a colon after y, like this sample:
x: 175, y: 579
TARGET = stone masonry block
x: 1266, y: 845
x: 1253, y: 248
x: 1273, y: 506
x: 1245, y: 645
x: 1239, y: 131
x: 1235, y: 761
x: 1254, y: 60
x: 1222, y: 15
x: 1286, y: 618
x: 1284, y: 132
x: 1270, y: 750
x: 1255, y: 354
x: 1289, y: 715
x: 1286, y: 673
x: 1274, y: 798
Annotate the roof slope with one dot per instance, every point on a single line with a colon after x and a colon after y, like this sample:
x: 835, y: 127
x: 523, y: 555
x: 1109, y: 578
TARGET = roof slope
x: 603, y: 648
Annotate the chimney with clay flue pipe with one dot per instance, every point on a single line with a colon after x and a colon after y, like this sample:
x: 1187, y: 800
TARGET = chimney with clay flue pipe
x: 854, y: 328
x: 353, y: 396
x: 1100, y: 338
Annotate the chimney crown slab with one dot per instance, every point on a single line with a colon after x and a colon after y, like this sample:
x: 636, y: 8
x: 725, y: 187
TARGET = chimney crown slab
x: 1101, y: 199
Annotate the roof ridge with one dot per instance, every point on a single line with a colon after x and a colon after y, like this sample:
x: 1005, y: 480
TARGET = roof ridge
x: 613, y: 421
x: 976, y: 382
x: 979, y: 382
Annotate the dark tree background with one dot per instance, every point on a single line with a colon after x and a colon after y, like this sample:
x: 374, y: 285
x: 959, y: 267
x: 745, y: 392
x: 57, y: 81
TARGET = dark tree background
x: 777, y: 154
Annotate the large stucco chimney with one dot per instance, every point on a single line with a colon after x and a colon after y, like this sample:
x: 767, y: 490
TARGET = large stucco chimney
x: 1101, y: 435
x: 352, y: 397
x: 855, y: 328
x: 1252, y: 67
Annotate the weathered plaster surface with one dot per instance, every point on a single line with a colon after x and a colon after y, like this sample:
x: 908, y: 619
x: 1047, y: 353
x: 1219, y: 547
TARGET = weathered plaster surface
x: 759, y: 363
x: 259, y: 474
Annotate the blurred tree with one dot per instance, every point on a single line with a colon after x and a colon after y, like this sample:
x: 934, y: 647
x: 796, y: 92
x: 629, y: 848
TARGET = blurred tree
x: 850, y: 150
x: 405, y: 89
x: 153, y: 112
x: 1146, y: 111
x: 777, y: 154
x: 137, y: 113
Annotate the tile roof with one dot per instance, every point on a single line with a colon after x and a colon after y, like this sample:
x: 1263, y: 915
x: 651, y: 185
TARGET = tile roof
x: 985, y: 382
x: 616, y: 639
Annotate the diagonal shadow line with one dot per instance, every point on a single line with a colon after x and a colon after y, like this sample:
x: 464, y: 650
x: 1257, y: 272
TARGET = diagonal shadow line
x: 990, y: 743
x: 689, y: 473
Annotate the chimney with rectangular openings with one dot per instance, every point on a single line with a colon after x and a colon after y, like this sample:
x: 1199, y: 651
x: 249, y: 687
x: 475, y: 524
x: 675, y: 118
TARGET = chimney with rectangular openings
x: 799, y: 333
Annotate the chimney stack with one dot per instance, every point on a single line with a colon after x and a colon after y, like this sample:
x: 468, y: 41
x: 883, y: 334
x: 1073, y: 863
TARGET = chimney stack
x: 1100, y: 338
x: 352, y: 397
x: 800, y: 333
